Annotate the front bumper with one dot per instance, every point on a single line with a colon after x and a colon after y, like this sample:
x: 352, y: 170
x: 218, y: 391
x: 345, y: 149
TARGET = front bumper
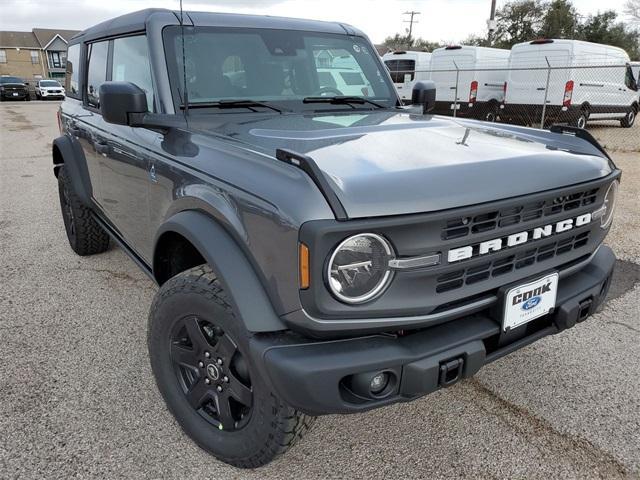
x: 9, y: 95
x: 45, y: 94
x: 317, y: 377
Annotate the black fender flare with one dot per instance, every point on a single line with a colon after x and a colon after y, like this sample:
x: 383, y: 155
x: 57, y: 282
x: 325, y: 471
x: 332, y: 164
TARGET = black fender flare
x: 75, y: 165
x: 234, y: 270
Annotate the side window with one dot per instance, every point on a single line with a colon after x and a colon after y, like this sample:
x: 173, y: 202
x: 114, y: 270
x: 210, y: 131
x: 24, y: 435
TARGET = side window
x: 73, y: 70
x: 131, y: 64
x: 97, y: 73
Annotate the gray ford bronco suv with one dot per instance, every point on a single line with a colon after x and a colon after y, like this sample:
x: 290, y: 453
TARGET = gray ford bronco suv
x: 316, y: 251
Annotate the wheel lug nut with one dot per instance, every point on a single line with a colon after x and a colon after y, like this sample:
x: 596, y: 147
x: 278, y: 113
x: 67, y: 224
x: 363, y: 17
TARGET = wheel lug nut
x: 207, y: 354
x: 219, y: 388
x: 219, y: 361
x: 225, y: 379
x: 200, y: 364
x: 207, y: 381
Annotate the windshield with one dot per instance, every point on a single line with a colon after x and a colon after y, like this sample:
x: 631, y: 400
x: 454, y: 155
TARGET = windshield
x: 49, y: 83
x: 279, y: 67
x: 10, y: 80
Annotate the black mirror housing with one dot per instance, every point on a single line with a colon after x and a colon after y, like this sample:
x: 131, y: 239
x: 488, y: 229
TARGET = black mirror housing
x: 424, y: 93
x: 118, y: 100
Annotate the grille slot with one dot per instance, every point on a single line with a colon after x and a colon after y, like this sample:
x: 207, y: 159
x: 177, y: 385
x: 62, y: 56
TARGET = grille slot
x: 502, y: 266
x: 463, y: 226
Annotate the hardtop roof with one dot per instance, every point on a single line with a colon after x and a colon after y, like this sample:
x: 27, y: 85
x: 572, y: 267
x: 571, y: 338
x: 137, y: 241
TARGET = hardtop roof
x: 138, y: 21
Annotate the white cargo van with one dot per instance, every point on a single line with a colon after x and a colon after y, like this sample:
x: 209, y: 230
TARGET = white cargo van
x: 480, y: 80
x: 586, y: 81
x: 407, y: 68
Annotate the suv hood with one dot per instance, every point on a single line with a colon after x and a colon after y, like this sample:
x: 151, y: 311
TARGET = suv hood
x: 390, y: 163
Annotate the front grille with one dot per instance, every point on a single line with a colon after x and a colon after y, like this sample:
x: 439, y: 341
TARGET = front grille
x: 501, y: 266
x: 464, y: 226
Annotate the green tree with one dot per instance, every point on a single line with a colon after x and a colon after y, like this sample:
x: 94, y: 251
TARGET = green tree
x: 404, y: 42
x: 605, y: 28
x: 560, y: 20
x: 518, y: 21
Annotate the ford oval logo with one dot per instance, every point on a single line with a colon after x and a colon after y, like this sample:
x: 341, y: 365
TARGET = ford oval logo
x: 532, y: 302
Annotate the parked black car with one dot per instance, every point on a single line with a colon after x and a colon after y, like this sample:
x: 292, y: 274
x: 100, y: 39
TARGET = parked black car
x: 13, y: 88
x: 315, y: 252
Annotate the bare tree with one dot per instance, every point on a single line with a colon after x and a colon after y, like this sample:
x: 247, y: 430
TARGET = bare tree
x: 632, y: 8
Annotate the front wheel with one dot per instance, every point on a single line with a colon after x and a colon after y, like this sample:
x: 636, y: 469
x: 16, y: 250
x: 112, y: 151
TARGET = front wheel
x: 199, y: 352
x: 629, y: 119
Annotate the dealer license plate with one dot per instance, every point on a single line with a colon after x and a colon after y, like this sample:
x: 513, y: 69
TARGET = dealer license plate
x: 529, y: 301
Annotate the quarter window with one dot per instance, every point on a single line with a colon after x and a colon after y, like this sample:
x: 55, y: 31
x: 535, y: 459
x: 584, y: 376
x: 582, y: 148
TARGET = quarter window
x: 97, y: 73
x: 131, y: 64
x: 73, y: 70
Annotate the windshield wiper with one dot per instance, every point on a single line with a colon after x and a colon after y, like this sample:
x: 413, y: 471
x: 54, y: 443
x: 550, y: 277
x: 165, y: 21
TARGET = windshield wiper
x: 250, y: 104
x: 342, y: 100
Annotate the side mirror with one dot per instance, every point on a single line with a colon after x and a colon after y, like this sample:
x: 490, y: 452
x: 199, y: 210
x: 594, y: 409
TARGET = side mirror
x: 118, y: 100
x: 424, y: 93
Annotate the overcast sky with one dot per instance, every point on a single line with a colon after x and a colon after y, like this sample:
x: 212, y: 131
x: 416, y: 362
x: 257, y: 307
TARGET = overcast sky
x: 440, y: 20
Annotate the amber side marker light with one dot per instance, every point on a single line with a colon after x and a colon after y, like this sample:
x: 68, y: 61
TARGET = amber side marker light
x: 303, y: 258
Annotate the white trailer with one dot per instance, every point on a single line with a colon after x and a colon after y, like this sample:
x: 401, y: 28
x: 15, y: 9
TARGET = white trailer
x: 469, y: 80
x: 407, y: 68
x: 578, y: 80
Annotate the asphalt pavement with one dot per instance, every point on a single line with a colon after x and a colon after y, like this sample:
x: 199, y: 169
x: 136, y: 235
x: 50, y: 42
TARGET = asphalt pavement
x: 77, y: 398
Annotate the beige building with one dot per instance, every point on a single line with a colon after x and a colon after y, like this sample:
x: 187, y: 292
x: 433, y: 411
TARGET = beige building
x: 40, y: 53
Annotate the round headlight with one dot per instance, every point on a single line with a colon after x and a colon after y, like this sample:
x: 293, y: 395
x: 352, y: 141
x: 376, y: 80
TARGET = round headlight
x: 609, y: 204
x: 358, y: 269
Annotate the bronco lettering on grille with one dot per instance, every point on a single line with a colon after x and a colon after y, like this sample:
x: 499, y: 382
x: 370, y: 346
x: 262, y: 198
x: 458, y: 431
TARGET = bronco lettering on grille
x: 463, y: 253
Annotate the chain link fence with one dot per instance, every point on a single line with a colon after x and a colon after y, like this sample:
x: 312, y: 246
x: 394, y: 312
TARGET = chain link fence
x: 602, y: 98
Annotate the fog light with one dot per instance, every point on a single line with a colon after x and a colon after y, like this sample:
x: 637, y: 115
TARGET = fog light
x: 379, y: 382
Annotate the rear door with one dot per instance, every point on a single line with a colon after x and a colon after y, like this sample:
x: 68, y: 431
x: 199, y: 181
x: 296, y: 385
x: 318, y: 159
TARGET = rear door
x: 87, y: 124
x: 450, y: 66
x: 527, y: 82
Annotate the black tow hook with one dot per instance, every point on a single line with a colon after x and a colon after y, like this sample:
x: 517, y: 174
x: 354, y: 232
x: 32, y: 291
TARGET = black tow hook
x: 451, y: 372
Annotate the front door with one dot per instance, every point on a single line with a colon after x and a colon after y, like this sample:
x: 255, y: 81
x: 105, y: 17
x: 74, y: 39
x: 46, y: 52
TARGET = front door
x: 125, y: 168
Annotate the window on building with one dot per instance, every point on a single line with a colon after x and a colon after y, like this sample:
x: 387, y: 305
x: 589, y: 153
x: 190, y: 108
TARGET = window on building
x: 3, y: 56
x: 97, y: 73
x: 35, y: 57
x: 73, y: 71
x: 54, y: 60
x: 131, y: 64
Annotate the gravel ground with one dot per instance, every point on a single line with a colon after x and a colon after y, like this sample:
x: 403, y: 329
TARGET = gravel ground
x: 78, y: 399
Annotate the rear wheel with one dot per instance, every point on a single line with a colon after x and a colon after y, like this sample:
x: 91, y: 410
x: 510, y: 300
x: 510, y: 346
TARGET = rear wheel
x: 491, y: 114
x: 581, y: 121
x: 199, y: 352
x: 629, y: 119
x: 85, y: 236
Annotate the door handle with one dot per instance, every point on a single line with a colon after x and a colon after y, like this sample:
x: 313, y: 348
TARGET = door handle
x: 102, y: 147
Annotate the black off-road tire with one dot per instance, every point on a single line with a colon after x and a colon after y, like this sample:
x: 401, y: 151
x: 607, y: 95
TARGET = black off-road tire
x: 270, y: 426
x: 85, y: 235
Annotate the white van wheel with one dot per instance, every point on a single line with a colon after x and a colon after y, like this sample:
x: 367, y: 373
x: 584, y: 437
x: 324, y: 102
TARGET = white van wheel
x: 490, y: 116
x: 628, y: 121
x: 581, y: 121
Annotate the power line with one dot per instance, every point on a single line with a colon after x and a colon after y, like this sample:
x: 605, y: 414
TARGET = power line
x: 412, y: 14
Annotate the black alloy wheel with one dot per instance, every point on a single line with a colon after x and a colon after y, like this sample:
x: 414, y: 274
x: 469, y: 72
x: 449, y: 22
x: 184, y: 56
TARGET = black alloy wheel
x: 212, y: 373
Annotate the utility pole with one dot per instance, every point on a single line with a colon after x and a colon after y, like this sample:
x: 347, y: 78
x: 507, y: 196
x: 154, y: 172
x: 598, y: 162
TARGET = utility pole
x: 411, y: 21
x: 491, y: 23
